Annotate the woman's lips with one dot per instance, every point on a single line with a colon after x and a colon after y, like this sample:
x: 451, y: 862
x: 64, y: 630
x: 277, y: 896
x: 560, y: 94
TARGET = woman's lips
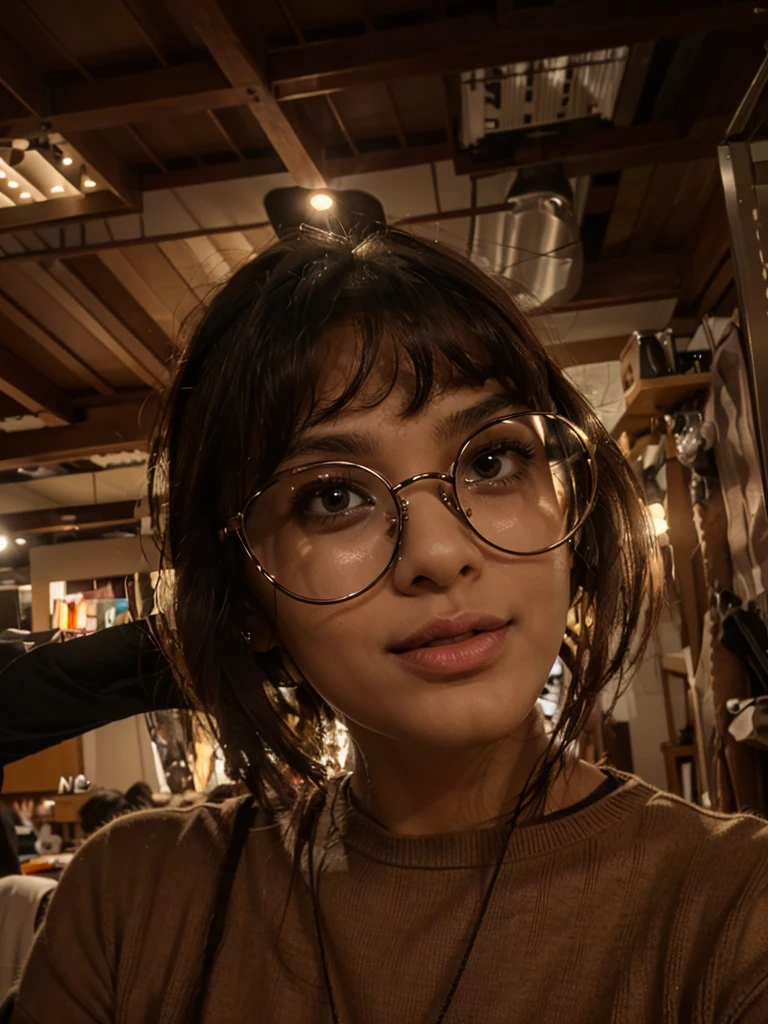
x: 467, y: 655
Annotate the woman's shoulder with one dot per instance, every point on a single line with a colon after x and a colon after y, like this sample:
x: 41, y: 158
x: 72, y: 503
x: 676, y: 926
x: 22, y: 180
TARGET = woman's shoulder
x: 710, y: 837
x: 170, y: 841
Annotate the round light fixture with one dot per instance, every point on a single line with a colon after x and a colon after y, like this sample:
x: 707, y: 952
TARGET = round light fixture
x: 89, y: 183
x: 21, y: 541
x: 57, y: 188
x: 13, y: 184
x: 321, y: 201
x: 25, y: 195
x: 67, y: 161
x: 3, y: 542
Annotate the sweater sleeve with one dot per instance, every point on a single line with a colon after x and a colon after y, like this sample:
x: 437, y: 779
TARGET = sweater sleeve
x: 741, y: 995
x: 63, y: 690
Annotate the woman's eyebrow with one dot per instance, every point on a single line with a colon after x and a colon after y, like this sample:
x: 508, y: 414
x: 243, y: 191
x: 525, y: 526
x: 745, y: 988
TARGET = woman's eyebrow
x: 465, y: 420
x: 350, y: 443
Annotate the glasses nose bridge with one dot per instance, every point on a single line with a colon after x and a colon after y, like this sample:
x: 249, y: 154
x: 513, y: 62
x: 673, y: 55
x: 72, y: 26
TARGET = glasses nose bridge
x: 448, y: 498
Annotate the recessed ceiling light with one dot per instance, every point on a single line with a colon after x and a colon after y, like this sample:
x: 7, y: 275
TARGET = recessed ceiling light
x: 25, y: 195
x: 21, y: 541
x: 13, y: 184
x: 67, y: 161
x: 2, y: 174
x: 89, y: 183
x: 57, y: 188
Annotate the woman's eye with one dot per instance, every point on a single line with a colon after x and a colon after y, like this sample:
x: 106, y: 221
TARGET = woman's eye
x: 334, y: 500
x: 495, y: 465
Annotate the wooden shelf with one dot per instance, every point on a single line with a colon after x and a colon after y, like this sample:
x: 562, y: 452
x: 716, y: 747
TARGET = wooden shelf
x: 653, y: 397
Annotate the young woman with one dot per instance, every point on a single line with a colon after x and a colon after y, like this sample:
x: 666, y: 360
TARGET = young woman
x: 383, y: 502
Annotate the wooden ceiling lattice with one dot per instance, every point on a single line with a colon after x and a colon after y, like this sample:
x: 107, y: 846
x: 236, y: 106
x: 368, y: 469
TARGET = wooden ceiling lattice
x: 175, y: 104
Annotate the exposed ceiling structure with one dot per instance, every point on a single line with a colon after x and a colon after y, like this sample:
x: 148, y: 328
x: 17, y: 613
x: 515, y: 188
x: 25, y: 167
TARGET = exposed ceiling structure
x: 138, y: 139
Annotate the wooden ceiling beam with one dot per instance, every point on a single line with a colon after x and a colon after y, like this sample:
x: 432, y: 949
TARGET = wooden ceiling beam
x: 65, y: 288
x: 70, y: 517
x: 599, y: 151
x: 631, y: 279
x: 706, y: 250
x: 25, y: 386
x: 53, y: 347
x: 190, y: 88
x: 69, y: 210
x: 104, y: 429
x: 244, y: 70
x: 477, y: 41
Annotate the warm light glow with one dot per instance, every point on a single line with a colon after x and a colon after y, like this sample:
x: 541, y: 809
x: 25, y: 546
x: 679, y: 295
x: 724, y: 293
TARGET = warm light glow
x: 89, y: 183
x: 67, y: 161
x: 3, y: 542
x: 2, y: 174
x: 57, y: 188
x: 659, y: 517
x: 321, y: 201
x: 21, y: 541
x: 13, y: 184
x: 25, y: 195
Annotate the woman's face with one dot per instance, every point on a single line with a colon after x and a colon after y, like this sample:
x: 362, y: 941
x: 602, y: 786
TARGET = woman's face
x: 445, y: 578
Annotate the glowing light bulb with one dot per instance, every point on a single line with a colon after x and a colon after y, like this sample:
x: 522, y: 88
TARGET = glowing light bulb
x: 13, y: 184
x: 25, y: 195
x: 21, y: 541
x: 57, y: 188
x: 89, y: 183
x: 2, y: 174
x: 3, y: 542
x: 67, y: 161
x: 321, y: 201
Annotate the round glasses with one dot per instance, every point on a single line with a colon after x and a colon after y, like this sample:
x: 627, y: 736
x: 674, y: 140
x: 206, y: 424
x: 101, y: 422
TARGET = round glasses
x: 329, y: 531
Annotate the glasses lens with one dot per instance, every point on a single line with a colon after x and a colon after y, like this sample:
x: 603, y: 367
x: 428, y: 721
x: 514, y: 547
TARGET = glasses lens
x: 325, y: 532
x: 525, y: 483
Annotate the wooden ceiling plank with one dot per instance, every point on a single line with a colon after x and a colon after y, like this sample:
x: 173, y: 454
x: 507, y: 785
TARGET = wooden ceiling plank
x: 244, y: 71
x: 476, y: 41
x: 21, y: 383
x: 53, y: 346
x: 111, y: 428
x: 103, y: 164
x: 633, y: 189
x: 111, y: 289
x: 170, y: 287
x: 123, y: 270
x: 70, y: 517
x: 64, y: 288
x: 20, y: 79
x: 708, y: 246
x: 190, y: 88
x: 695, y: 185
x: 717, y: 288
x: 656, y: 208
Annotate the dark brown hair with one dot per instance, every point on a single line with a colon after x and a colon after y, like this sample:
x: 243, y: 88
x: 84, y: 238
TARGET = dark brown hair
x: 246, y: 385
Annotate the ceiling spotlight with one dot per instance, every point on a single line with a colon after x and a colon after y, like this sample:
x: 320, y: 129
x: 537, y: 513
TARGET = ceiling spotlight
x: 3, y: 542
x: 67, y: 161
x: 2, y: 174
x: 89, y: 183
x: 21, y: 541
x: 13, y: 184
x: 321, y: 201
x: 25, y: 195
x: 57, y: 188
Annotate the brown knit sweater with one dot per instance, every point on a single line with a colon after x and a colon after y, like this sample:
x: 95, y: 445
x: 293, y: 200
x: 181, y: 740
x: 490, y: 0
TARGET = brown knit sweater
x: 636, y: 909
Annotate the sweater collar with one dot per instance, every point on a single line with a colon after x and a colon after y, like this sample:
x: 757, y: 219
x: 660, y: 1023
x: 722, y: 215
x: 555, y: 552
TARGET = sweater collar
x: 483, y: 846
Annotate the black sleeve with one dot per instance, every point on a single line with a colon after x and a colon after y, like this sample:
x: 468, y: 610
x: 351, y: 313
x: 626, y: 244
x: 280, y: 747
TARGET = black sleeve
x: 63, y: 690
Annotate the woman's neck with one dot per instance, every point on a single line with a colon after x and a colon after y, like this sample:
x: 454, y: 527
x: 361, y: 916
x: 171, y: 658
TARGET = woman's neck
x: 422, y: 791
